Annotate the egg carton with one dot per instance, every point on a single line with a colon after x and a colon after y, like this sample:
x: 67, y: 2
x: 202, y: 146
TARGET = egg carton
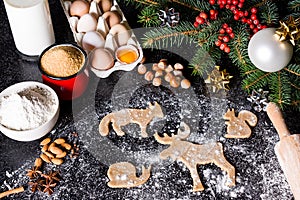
x: 111, y: 42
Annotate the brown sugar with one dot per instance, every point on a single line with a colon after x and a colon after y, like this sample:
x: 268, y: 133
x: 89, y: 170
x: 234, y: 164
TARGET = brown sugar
x: 62, y: 61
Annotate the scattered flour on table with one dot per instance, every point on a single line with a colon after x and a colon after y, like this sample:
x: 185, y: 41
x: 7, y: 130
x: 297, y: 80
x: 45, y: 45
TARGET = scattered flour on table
x: 26, y: 109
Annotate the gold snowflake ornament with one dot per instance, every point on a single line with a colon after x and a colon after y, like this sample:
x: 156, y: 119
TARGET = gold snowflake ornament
x: 218, y: 80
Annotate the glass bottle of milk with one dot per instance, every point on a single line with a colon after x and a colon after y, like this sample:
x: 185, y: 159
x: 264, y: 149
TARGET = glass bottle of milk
x: 31, y: 25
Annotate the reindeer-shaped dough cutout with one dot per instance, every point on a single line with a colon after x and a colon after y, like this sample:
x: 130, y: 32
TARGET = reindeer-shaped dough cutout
x: 237, y: 127
x: 195, y: 154
x: 142, y: 117
x: 123, y: 175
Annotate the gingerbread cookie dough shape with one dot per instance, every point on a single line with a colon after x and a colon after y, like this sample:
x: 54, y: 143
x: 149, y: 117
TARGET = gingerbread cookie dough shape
x: 238, y: 127
x: 123, y: 175
x: 193, y: 154
x: 142, y: 117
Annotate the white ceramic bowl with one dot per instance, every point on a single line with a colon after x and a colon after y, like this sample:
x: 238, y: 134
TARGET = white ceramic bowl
x: 40, y: 131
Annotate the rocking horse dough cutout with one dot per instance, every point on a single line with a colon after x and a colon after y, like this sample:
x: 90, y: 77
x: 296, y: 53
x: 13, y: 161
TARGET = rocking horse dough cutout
x: 193, y: 154
x: 142, y: 117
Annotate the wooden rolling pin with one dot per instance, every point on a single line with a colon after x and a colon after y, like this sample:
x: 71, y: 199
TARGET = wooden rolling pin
x: 287, y: 149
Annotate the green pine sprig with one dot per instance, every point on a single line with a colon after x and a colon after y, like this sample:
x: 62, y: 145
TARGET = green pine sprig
x: 149, y: 17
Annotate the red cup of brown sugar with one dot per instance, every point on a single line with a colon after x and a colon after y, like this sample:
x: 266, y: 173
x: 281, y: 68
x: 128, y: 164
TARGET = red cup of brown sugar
x: 64, y: 68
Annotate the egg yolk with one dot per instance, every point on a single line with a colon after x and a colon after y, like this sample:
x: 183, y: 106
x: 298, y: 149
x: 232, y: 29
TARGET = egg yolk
x: 127, y: 56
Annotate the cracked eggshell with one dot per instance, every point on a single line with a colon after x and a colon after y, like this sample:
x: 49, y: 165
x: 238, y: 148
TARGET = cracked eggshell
x: 79, y: 8
x: 120, y: 33
x: 112, y: 18
x: 92, y: 40
x: 87, y: 23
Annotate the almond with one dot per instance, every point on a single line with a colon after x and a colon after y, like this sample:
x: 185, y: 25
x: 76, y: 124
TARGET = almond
x: 45, y: 148
x: 60, y: 141
x: 45, y: 141
x: 51, y: 145
x: 50, y: 155
x: 66, y: 146
x: 57, y: 161
x: 56, y: 150
x: 61, y: 155
x: 38, y: 162
x: 45, y: 158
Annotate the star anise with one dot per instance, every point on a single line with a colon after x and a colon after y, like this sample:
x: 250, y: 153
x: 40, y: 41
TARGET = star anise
x: 36, y: 185
x: 48, y: 186
x: 33, y: 173
x: 51, y: 176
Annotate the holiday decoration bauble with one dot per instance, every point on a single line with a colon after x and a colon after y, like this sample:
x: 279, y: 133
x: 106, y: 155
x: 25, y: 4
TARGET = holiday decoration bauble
x: 267, y: 52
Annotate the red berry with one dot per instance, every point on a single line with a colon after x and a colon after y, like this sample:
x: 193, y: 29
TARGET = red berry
x: 225, y: 25
x: 219, y: 2
x: 241, y: 13
x: 259, y: 26
x: 246, y: 13
x: 242, y: 1
x: 244, y: 20
x: 196, y: 24
x: 212, y: 12
x: 211, y: 2
x: 253, y: 17
x: 222, y: 31
x: 255, y: 30
x: 231, y: 35
x: 236, y: 17
x: 263, y: 26
x: 203, y: 15
x: 226, y: 39
x: 249, y: 21
x: 235, y: 12
x: 229, y: 30
x: 235, y: 2
x: 256, y: 22
x: 253, y: 10
x: 252, y: 26
x: 232, y: 7
x: 240, y: 5
x: 221, y: 6
x: 227, y: 49
x: 220, y: 37
x: 213, y: 17
x: 223, y: 2
x: 227, y: 6
x: 218, y: 43
x: 222, y: 46
x: 200, y: 20
x: 229, y: 2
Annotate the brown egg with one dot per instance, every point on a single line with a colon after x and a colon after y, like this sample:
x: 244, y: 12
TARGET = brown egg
x: 105, y: 5
x: 112, y: 18
x: 79, y: 8
x: 102, y: 59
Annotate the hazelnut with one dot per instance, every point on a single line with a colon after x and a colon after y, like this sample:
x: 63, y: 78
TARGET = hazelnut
x: 149, y: 76
x: 185, y: 84
x: 142, y: 69
x: 156, y: 81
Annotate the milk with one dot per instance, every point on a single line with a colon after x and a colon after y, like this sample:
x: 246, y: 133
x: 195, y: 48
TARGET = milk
x: 31, y: 25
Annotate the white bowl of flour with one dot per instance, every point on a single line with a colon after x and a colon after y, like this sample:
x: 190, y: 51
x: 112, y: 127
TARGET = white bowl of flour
x: 28, y: 110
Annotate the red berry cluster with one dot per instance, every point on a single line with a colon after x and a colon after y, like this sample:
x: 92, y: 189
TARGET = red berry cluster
x: 203, y: 17
x: 228, y: 4
x: 250, y: 19
x: 224, y: 37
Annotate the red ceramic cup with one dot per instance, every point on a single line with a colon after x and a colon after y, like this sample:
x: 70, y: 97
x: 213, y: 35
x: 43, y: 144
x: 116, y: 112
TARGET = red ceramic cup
x: 67, y: 87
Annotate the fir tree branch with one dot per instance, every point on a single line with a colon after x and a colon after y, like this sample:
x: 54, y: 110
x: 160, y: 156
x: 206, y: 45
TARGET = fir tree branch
x: 140, y: 3
x: 191, y: 4
x: 294, y: 5
x: 162, y: 37
x: 256, y: 80
x: 269, y: 13
x: 293, y: 69
x: 280, y: 88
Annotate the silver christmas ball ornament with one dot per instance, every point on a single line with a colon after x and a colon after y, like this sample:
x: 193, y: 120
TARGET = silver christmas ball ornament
x: 267, y: 53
